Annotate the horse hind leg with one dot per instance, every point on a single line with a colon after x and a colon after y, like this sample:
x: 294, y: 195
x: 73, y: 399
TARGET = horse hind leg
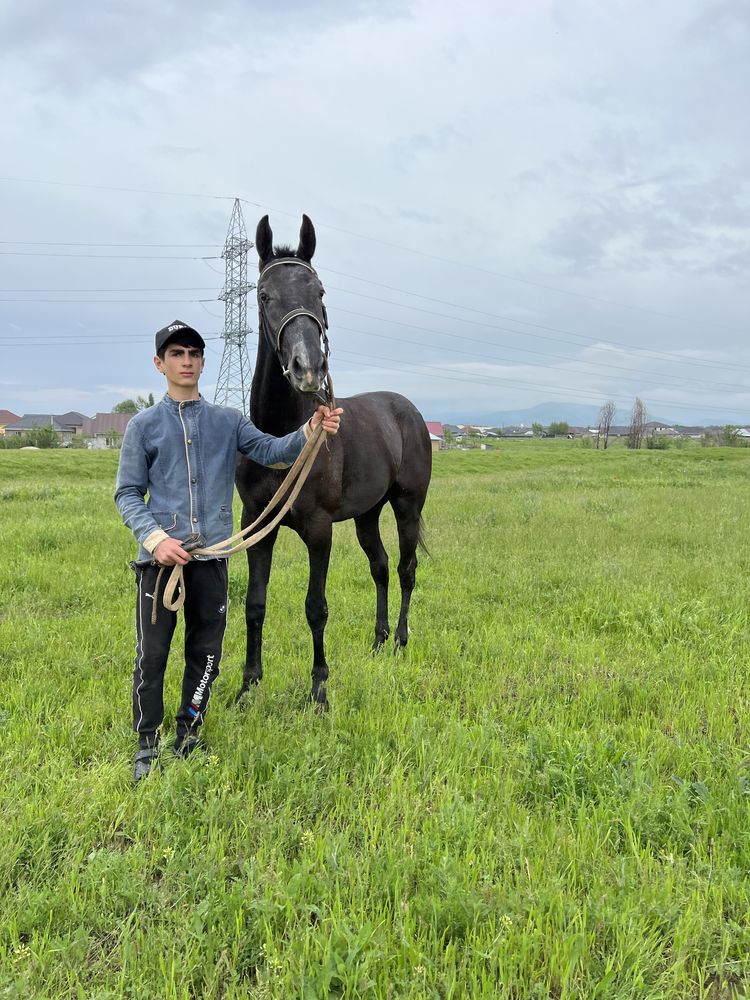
x: 368, y: 536
x: 409, y: 525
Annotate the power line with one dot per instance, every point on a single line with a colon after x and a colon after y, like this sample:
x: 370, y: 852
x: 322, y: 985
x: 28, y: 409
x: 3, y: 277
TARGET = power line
x: 108, y: 187
x: 597, y: 368
x: 102, y: 256
x: 184, y: 246
x: 104, y: 302
x: 466, y: 264
x: 583, y: 338
x: 4, y: 291
x: 512, y: 383
x: 423, y: 370
x: 413, y: 326
x: 511, y: 319
x: 602, y: 369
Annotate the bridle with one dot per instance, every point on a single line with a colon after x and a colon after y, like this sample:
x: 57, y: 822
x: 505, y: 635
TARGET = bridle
x: 275, y: 341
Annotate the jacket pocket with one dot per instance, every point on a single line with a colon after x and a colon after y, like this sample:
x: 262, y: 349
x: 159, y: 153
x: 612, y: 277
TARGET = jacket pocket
x: 164, y: 519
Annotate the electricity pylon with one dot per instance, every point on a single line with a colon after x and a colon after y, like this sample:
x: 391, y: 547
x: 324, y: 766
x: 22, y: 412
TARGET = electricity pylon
x: 233, y: 383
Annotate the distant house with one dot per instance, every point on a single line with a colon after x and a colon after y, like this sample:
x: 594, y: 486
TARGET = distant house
x: 517, y: 432
x: 6, y: 417
x: 437, y: 434
x: 66, y: 425
x: 105, y: 430
x: 653, y: 428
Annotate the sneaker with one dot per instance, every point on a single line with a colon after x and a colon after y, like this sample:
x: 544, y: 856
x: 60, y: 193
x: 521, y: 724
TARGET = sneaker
x: 185, y: 745
x: 144, y: 761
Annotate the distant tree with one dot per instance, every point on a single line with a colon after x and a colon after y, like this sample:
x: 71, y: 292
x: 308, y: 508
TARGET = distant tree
x: 126, y: 406
x: 538, y: 429
x: 559, y: 427
x: 637, y: 424
x: 143, y: 404
x: 606, y: 419
x: 35, y: 437
x: 449, y: 437
x: 727, y: 436
x: 472, y: 437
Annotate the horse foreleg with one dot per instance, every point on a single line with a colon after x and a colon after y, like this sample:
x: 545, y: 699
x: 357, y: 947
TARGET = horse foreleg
x: 316, y: 607
x: 259, y: 569
x: 368, y: 535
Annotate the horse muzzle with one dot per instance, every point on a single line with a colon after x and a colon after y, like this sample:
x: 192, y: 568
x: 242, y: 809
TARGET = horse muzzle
x: 305, y: 376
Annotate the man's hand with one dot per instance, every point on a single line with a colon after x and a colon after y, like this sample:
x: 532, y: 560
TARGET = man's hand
x: 169, y: 552
x: 328, y: 417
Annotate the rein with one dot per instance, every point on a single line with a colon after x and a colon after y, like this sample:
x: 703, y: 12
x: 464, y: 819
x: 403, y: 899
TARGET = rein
x: 174, y: 591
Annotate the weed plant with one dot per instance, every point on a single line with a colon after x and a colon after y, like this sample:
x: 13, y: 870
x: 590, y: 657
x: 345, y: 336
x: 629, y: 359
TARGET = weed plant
x: 546, y: 795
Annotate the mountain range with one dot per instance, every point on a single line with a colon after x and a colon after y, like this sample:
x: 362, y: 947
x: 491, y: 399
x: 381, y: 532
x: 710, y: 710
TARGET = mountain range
x: 575, y: 414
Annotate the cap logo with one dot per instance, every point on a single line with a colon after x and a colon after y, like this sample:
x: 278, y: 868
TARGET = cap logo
x: 175, y: 326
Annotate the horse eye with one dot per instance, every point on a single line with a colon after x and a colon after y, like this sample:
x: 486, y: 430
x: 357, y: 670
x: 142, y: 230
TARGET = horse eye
x: 263, y: 296
x: 322, y: 292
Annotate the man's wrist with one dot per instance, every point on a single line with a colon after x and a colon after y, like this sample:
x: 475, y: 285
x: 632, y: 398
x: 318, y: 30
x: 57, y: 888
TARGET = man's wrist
x: 154, y: 540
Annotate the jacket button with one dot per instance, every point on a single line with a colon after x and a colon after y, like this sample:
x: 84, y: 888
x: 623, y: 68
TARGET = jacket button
x: 189, y: 440
x: 193, y: 480
x: 195, y: 520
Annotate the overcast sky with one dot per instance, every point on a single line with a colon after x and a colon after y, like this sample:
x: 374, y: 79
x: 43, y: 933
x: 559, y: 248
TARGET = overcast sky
x: 515, y: 203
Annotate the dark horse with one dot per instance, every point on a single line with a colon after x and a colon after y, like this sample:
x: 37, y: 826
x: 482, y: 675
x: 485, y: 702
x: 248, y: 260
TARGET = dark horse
x: 382, y: 454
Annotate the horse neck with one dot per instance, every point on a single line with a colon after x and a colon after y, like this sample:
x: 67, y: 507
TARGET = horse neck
x: 274, y: 406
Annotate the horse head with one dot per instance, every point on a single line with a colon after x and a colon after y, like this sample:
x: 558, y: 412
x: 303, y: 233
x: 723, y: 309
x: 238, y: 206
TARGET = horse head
x: 290, y: 306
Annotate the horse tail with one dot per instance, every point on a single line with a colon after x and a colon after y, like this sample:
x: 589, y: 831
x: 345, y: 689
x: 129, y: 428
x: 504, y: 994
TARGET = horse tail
x: 421, y: 532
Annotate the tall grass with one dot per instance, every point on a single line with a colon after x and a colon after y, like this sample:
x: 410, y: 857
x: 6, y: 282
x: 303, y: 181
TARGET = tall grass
x: 546, y: 795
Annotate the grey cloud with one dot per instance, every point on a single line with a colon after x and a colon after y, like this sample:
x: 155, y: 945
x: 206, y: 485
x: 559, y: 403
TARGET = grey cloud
x: 74, y: 45
x: 674, y: 229
x: 424, y: 217
x: 725, y: 21
x: 177, y: 150
x: 427, y: 142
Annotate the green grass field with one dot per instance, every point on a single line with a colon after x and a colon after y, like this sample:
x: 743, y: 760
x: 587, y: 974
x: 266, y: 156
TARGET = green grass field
x: 546, y: 795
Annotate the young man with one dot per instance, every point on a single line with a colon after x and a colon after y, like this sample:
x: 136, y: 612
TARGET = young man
x: 181, y: 454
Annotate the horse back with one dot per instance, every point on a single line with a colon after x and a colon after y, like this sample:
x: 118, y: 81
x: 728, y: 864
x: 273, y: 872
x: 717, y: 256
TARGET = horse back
x: 382, y: 449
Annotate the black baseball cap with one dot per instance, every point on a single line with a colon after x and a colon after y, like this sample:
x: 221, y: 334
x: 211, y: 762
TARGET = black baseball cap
x: 177, y: 330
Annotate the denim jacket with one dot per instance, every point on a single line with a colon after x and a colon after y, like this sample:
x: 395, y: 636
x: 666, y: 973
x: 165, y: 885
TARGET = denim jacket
x: 183, y: 455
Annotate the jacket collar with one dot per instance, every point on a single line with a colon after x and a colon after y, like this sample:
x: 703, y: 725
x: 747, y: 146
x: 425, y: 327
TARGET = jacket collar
x: 174, y: 404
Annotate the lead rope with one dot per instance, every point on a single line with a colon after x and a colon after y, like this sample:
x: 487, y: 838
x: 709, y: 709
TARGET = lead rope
x: 294, y: 480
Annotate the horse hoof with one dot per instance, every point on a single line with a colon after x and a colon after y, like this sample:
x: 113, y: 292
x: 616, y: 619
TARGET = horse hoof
x: 240, y: 698
x: 319, y: 701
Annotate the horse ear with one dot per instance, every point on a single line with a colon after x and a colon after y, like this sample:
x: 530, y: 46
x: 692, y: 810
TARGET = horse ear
x: 306, y: 247
x: 264, y: 240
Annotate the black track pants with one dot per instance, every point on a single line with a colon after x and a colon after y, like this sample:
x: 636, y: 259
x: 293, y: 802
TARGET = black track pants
x: 205, y: 621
